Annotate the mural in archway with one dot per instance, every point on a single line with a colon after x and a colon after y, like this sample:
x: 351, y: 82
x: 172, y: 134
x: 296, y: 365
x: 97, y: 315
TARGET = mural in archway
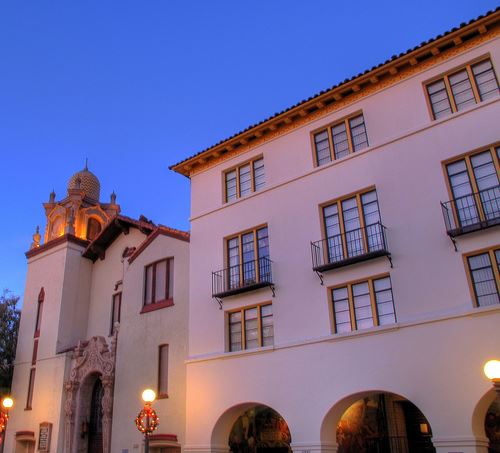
x: 258, y: 430
x: 492, y: 426
x: 384, y: 423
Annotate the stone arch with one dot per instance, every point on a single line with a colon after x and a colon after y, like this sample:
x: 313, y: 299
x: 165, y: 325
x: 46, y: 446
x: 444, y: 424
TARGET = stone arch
x: 328, y: 429
x: 479, y: 414
x: 221, y: 431
x: 91, y: 360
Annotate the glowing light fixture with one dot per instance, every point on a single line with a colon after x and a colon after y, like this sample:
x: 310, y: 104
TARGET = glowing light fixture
x: 492, y: 370
x: 7, y: 403
x: 148, y: 396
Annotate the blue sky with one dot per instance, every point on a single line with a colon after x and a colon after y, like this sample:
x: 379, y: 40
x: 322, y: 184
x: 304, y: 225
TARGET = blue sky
x: 136, y: 86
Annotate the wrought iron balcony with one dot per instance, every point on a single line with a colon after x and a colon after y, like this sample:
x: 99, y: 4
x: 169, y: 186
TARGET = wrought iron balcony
x: 472, y: 212
x: 350, y: 247
x: 242, y: 278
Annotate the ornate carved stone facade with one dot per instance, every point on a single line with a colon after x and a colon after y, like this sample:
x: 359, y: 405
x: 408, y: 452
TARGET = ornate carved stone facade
x: 92, y: 360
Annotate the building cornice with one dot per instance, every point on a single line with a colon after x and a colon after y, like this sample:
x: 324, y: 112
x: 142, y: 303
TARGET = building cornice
x: 54, y: 243
x: 398, y: 68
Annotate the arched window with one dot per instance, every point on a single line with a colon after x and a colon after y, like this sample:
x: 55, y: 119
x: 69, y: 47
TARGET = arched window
x: 57, y: 227
x: 39, y: 310
x: 93, y: 228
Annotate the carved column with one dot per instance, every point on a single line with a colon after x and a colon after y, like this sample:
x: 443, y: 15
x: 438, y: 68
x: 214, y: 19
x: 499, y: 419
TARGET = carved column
x: 71, y: 388
x: 107, y: 411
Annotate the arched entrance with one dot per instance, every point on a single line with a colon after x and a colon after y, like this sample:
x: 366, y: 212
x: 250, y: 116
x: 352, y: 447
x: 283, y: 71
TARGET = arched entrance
x: 378, y: 422
x: 95, y: 419
x: 492, y: 426
x: 259, y: 429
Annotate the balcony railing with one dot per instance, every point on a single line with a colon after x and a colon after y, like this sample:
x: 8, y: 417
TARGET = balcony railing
x: 350, y: 247
x: 249, y: 276
x: 473, y: 212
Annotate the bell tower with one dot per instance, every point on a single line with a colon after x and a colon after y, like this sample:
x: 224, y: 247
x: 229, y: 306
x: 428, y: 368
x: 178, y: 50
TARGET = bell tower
x: 80, y: 213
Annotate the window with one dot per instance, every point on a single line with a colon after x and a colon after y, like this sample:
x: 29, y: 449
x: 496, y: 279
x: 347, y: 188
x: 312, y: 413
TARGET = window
x: 244, y: 179
x: 363, y: 304
x: 251, y: 327
x: 340, y: 139
x: 158, y: 288
x: 163, y: 371
x: 93, y: 228
x: 31, y: 385
x: 474, y: 184
x: 459, y: 89
x: 35, y: 352
x: 352, y: 226
x: 484, y: 273
x: 116, y: 307
x: 248, y: 258
x: 39, y: 310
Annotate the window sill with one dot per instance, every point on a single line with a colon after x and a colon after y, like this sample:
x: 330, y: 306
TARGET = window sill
x: 157, y: 305
x: 162, y: 397
x: 37, y: 334
x: 28, y: 408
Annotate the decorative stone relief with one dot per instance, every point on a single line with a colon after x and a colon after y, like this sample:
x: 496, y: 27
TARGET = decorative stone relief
x: 91, y: 360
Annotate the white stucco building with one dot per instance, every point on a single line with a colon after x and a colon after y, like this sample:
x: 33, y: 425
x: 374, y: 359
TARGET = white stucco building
x: 339, y: 290
x: 340, y: 282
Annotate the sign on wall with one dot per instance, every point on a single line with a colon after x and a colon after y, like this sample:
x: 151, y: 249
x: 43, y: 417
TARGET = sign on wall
x: 44, y: 436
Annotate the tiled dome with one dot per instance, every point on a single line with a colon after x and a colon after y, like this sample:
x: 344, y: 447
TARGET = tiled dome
x: 88, y: 183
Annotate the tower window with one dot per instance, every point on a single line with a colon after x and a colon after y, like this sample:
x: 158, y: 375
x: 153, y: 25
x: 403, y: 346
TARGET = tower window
x: 93, y: 228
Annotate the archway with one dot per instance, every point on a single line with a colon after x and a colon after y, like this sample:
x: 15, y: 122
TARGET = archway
x: 486, y: 420
x: 252, y: 428
x: 95, y: 418
x: 378, y: 422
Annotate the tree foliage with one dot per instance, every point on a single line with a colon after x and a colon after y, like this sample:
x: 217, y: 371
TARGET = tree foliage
x: 9, y: 327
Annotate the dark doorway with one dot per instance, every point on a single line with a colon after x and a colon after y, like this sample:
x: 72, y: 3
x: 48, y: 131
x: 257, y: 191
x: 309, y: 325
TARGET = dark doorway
x: 95, y: 423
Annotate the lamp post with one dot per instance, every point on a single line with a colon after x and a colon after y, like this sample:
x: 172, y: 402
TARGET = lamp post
x: 7, y: 403
x: 492, y: 371
x: 147, y: 420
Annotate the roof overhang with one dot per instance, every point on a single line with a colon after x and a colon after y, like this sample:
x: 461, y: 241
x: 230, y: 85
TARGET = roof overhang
x: 396, y: 68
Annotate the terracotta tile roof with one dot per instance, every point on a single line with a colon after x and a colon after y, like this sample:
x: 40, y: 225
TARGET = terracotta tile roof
x: 160, y: 230
x: 392, y: 60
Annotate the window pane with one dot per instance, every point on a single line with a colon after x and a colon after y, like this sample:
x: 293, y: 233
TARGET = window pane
x: 249, y: 268
x: 464, y: 201
x: 31, y: 386
x: 258, y: 172
x: 161, y: 281
x: 362, y: 305
x: 171, y: 278
x: 384, y: 301
x: 233, y: 246
x: 340, y: 141
x: 267, y: 325
x: 149, y: 285
x: 486, y: 80
x: 251, y: 328
x: 341, y: 310
x: 462, y: 89
x: 358, y: 133
x: 438, y: 98
x: 231, y: 186
x: 483, y: 279
x: 352, y: 226
x: 322, y: 145
x: 163, y: 370
x: 245, y: 180
x: 235, y: 331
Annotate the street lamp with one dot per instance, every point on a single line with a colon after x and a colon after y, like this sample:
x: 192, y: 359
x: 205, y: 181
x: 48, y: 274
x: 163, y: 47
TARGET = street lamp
x: 492, y: 371
x: 147, y: 420
x: 7, y: 403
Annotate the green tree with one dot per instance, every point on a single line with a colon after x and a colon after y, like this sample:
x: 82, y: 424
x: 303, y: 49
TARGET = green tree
x: 9, y: 327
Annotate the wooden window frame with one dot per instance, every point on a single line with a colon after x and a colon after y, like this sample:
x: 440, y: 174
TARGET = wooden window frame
x: 158, y: 304
x: 39, y: 312
x: 113, y: 321
x: 445, y: 77
x: 496, y: 273
x: 259, y: 323
x: 162, y: 395
x: 31, y: 388
x: 240, y: 235
x: 328, y: 128
x: 470, y: 171
x: 338, y: 202
x: 373, y: 301
x: 236, y: 168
